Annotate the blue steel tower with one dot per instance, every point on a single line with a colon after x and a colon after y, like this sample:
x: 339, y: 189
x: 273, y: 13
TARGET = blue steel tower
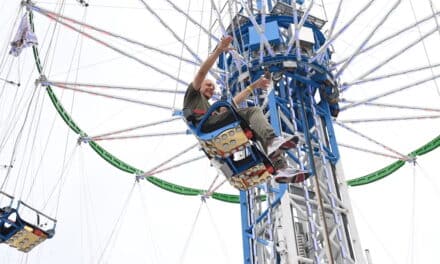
x: 310, y: 222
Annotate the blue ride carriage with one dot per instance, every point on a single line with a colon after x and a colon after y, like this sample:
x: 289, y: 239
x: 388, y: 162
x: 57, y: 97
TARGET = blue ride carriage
x: 20, y: 233
x: 232, y: 148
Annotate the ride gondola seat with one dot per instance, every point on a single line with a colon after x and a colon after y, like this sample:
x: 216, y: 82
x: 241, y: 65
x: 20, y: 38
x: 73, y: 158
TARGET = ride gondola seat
x: 231, y: 147
x: 18, y: 233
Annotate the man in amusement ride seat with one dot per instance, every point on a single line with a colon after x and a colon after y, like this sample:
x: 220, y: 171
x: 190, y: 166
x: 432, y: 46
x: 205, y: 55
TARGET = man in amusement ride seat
x: 202, y: 89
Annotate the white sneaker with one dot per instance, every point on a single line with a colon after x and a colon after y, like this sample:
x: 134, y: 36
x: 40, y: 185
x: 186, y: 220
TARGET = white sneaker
x: 281, y: 142
x: 290, y: 175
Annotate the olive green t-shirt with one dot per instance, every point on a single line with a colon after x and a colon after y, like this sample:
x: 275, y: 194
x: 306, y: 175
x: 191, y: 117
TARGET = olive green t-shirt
x: 195, y: 101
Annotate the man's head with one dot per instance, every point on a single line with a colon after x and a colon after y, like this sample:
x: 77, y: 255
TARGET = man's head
x: 207, y: 88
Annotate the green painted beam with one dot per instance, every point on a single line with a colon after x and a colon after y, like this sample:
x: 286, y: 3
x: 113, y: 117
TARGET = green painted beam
x: 384, y: 172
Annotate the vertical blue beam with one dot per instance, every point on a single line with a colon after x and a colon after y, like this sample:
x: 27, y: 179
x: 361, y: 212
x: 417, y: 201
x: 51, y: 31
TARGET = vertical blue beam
x: 269, y: 4
x: 259, y: 4
x: 330, y: 130
x: 247, y: 258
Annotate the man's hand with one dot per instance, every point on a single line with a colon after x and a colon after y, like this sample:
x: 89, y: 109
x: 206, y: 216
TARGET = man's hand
x: 225, y: 44
x: 261, y: 83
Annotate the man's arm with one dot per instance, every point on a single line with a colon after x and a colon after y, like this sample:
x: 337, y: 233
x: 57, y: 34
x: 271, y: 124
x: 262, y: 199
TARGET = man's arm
x: 262, y: 83
x: 209, y: 62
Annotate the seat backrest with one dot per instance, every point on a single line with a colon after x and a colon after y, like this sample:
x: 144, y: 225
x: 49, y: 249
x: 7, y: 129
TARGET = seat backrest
x: 216, y: 106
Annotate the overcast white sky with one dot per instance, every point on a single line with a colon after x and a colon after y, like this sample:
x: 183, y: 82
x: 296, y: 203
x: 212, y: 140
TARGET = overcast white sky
x: 104, y: 217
